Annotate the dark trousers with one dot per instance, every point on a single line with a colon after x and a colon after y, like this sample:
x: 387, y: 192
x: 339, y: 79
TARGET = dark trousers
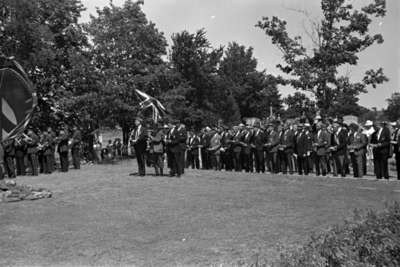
x: 364, y: 163
x: 273, y: 162
x: 21, y: 168
x: 397, y: 158
x: 76, y: 158
x: 158, y: 162
x: 303, y: 165
x: 177, y: 163
x: 357, y: 164
x: 321, y: 164
x: 227, y: 160
x: 237, y: 161
x: 247, y: 161
x: 48, y: 163
x: 194, y: 158
x: 381, y: 166
x: 340, y: 161
x: 64, y: 161
x: 259, y: 160
x: 286, y: 162
x: 140, y: 157
x: 205, y: 157
x: 10, y: 166
x: 33, y: 163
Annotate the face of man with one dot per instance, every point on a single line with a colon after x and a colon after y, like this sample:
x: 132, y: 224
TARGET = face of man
x: 137, y: 122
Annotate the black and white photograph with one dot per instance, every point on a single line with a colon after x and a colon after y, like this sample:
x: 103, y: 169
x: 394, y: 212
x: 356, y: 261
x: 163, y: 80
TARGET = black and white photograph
x: 245, y: 133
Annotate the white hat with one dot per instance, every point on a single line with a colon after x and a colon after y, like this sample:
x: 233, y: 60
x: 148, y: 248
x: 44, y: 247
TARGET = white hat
x: 241, y: 125
x: 393, y: 123
x: 368, y: 123
x: 307, y: 124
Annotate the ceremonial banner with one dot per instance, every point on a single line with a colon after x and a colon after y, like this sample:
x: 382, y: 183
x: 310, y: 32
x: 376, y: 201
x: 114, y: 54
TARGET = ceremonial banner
x: 148, y: 101
x: 18, y: 99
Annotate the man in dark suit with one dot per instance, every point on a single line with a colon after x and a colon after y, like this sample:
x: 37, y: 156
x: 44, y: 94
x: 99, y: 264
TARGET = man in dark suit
x: 380, y: 142
x: 194, y: 145
x: 272, y: 147
x: 177, y: 142
x: 287, y: 144
x: 32, y: 141
x: 396, y: 147
x: 237, y: 146
x: 247, y: 159
x: 138, y: 140
x: 339, y: 148
x: 9, y: 156
x: 258, y: 142
x: 303, y: 148
x: 321, y: 145
x: 76, y: 147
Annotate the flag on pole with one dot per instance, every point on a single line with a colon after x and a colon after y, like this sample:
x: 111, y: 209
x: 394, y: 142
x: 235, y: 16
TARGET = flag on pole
x: 148, y: 101
x: 18, y: 99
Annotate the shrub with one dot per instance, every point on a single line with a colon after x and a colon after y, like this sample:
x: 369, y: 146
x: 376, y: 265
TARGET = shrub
x: 368, y: 239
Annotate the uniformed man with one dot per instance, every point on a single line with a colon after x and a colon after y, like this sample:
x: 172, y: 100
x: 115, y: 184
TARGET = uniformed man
x: 304, y: 142
x: 193, y: 150
x: 226, y: 149
x: 76, y: 141
x: 237, y: 146
x: 48, y: 144
x: 380, y: 141
x: 32, y: 141
x: 177, y: 143
x: 258, y: 142
x: 339, y: 151
x: 247, y: 159
x: 138, y: 139
x: 9, y: 156
x: 287, y: 145
x: 272, y: 147
x: 321, y: 146
x: 396, y: 147
x: 20, y: 153
x: 62, y: 149
x: 357, y: 143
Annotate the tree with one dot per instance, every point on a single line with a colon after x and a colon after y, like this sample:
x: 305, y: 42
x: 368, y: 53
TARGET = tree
x: 127, y: 52
x: 297, y: 104
x: 393, y: 109
x: 201, y: 97
x: 254, y: 91
x: 338, y: 39
x: 43, y: 35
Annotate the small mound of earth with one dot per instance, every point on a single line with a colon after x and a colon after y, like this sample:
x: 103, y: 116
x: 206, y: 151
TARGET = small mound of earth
x: 11, y: 192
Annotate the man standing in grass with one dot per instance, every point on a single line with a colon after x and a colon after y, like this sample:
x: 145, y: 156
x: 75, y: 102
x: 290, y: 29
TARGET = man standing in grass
x: 138, y: 140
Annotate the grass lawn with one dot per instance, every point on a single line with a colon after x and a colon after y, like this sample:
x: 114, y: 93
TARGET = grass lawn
x: 102, y: 216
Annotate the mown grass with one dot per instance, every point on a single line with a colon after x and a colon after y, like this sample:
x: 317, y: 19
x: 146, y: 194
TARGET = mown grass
x: 102, y: 216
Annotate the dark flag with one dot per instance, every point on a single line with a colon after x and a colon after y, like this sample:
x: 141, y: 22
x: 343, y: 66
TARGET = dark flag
x: 18, y: 99
x: 148, y: 101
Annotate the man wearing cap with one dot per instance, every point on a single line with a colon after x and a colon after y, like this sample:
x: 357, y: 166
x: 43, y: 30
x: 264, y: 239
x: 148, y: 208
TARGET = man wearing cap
x: 138, y: 140
x: 380, y: 142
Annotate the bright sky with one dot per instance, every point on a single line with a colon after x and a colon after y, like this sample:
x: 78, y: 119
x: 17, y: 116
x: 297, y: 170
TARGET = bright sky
x: 234, y: 20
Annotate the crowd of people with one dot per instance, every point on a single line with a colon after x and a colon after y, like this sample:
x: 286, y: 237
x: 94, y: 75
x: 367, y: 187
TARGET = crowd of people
x: 34, y: 152
x: 323, y: 146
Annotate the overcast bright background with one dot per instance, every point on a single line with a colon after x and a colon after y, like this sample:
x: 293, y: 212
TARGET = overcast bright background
x: 234, y: 20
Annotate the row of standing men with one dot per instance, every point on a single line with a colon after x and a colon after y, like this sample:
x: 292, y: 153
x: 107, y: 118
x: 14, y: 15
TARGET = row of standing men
x: 35, y: 152
x: 332, y: 148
